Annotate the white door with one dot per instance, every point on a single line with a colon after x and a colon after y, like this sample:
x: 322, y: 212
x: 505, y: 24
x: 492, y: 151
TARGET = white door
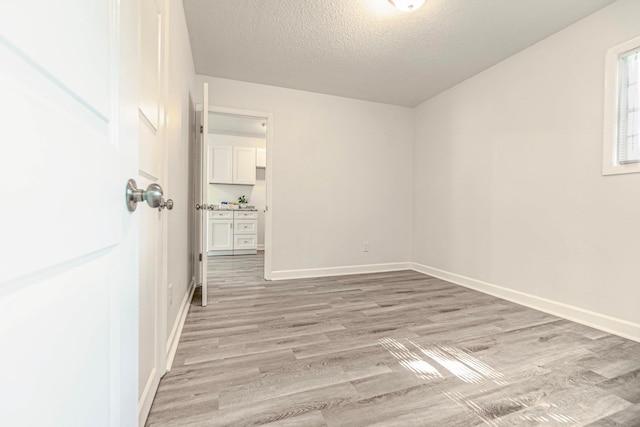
x: 68, y: 257
x: 152, y: 272
x: 203, y: 186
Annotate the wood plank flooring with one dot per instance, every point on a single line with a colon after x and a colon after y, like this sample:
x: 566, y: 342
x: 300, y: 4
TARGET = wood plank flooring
x: 387, y: 349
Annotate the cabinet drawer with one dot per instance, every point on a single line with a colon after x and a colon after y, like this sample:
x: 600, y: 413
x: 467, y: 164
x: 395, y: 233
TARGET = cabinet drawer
x: 245, y: 226
x: 220, y: 214
x: 245, y: 214
x: 249, y: 241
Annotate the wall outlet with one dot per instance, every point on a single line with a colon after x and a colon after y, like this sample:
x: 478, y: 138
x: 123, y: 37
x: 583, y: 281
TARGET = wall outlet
x: 170, y: 293
x: 365, y: 247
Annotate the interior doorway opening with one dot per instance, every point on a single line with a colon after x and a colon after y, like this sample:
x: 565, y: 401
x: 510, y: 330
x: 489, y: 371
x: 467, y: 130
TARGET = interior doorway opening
x: 235, y: 192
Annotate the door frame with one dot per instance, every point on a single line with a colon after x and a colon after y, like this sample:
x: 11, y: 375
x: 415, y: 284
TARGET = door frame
x: 268, y: 216
x: 148, y: 393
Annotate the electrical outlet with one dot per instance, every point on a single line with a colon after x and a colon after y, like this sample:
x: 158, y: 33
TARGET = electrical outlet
x: 365, y: 247
x: 170, y: 293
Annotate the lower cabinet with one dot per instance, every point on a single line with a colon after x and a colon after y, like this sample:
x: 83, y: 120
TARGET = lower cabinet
x: 232, y: 233
x: 220, y: 235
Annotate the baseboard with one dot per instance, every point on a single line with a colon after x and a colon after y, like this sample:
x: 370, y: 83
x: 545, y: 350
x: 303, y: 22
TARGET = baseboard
x: 147, y: 396
x: 589, y: 318
x: 176, y: 331
x: 219, y: 253
x: 339, y: 271
x: 261, y: 247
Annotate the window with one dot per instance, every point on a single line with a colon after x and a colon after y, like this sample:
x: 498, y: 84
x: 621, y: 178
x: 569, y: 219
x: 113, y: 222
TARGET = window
x: 622, y: 109
x: 628, y: 123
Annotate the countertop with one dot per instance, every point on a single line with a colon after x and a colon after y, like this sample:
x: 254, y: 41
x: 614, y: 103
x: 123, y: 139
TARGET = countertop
x: 236, y: 209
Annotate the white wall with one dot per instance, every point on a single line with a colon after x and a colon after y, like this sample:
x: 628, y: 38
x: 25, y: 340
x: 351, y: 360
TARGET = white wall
x: 507, y: 177
x: 255, y: 194
x: 181, y: 80
x: 341, y: 175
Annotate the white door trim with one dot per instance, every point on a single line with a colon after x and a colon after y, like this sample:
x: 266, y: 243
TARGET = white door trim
x: 153, y: 114
x: 268, y: 217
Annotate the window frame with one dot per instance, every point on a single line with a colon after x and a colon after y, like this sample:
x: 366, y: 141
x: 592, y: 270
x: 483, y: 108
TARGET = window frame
x: 610, y: 165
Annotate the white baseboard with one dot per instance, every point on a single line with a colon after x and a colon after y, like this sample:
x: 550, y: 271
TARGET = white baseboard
x: 176, y: 331
x: 147, y: 396
x: 339, y: 271
x: 595, y: 320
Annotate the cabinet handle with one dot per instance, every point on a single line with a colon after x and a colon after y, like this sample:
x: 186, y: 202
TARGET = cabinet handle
x: 231, y: 225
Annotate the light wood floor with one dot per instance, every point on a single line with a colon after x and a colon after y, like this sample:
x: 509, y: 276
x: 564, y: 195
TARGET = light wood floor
x: 389, y: 349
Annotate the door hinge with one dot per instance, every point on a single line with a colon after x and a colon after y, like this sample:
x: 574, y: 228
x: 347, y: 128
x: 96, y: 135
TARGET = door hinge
x: 200, y: 257
x: 201, y: 129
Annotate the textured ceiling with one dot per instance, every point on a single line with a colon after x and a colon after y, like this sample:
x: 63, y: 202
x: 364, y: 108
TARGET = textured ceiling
x: 366, y: 49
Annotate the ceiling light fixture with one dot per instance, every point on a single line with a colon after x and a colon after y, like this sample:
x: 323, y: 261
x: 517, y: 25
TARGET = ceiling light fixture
x: 407, y: 5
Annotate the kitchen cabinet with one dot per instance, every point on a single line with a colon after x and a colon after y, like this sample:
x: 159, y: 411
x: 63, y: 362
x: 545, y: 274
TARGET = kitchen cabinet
x: 233, y: 233
x: 220, y: 235
x: 244, y: 165
x: 232, y: 165
x: 261, y: 157
x: 245, y: 229
x: 220, y: 164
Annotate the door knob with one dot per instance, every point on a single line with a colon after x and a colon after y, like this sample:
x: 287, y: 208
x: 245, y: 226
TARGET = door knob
x: 152, y: 195
x: 168, y: 204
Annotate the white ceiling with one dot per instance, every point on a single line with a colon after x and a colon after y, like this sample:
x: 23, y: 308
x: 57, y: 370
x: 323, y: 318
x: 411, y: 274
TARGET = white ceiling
x: 366, y: 49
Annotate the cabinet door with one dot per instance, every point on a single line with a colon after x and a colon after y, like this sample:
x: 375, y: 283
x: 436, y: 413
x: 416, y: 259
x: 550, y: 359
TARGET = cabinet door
x: 221, y: 164
x: 244, y: 165
x: 221, y: 235
x: 261, y: 158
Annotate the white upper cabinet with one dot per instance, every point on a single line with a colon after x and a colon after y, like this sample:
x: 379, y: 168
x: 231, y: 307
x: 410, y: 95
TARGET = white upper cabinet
x: 261, y: 158
x: 221, y: 164
x: 232, y: 164
x: 244, y: 165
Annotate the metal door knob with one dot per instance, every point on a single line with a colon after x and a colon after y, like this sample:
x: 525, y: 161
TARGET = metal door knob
x: 168, y: 204
x: 152, y: 195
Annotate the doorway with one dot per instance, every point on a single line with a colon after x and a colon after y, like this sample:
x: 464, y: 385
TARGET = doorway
x: 235, y: 180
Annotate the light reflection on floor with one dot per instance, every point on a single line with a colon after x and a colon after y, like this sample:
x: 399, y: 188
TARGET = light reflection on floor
x: 410, y: 360
x: 469, y: 370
